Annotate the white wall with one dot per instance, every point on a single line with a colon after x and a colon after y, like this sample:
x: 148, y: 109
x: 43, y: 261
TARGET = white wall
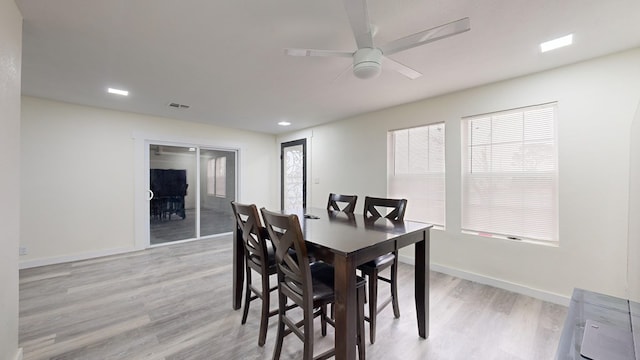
x: 10, y: 71
x: 596, y: 104
x: 78, y: 175
x: 634, y: 211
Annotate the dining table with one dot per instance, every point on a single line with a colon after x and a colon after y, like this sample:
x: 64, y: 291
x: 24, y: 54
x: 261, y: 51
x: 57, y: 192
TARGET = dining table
x: 347, y: 240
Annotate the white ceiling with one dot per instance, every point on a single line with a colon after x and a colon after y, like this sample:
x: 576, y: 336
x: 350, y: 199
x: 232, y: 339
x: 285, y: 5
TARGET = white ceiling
x: 225, y: 58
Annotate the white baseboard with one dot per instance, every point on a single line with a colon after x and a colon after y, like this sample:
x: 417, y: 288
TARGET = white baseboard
x: 74, y: 257
x: 501, y: 284
x: 19, y: 354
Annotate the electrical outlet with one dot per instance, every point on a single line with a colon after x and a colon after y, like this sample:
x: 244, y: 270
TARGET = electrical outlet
x: 23, y: 250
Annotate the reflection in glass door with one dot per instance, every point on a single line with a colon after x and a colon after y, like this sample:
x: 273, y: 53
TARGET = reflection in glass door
x: 294, y: 174
x: 189, y: 199
x: 172, y: 205
x: 217, y: 190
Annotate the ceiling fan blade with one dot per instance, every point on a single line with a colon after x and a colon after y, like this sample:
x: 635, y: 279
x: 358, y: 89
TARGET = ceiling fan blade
x: 312, y: 52
x: 401, y: 68
x: 342, y: 73
x: 359, y: 20
x: 427, y: 36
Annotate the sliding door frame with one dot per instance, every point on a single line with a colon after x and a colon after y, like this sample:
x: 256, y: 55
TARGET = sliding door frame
x: 142, y: 234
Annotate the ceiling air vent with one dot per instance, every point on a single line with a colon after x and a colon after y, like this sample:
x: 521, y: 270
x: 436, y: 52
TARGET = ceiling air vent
x: 178, y: 106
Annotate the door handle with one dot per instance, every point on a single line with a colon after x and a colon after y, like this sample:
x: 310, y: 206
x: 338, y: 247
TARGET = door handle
x: 150, y: 195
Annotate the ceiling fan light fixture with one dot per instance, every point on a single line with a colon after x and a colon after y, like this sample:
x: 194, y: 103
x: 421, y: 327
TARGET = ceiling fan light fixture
x: 366, y: 70
x: 367, y: 63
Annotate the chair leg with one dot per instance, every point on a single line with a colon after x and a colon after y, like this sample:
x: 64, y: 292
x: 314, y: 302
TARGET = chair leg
x: 308, y: 334
x: 360, y: 340
x: 323, y: 320
x: 247, y: 298
x: 373, y: 304
x: 394, y: 287
x: 264, y: 317
x: 282, y: 307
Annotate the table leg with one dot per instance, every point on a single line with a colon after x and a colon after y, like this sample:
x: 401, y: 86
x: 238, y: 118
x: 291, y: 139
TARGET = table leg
x: 238, y: 268
x: 346, y: 308
x: 422, y: 284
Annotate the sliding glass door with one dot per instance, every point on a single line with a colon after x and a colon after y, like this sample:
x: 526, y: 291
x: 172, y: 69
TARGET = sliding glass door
x: 190, y: 189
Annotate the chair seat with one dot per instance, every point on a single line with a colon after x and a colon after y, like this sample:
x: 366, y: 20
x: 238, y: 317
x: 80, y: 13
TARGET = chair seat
x: 379, y: 262
x: 322, y: 277
x: 323, y: 280
x: 271, y: 262
x: 271, y: 255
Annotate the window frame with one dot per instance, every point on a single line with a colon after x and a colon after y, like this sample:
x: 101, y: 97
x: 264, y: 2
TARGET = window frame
x: 427, y: 178
x: 518, y: 178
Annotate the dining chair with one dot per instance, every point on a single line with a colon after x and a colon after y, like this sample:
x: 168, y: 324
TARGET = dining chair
x: 348, y: 202
x: 392, y: 209
x: 259, y: 257
x: 310, y: 285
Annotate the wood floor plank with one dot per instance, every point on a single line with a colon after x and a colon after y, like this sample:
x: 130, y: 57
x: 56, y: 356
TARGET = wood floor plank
x: 27, y: 279
x: 86, y: 338
x: 174, y: 303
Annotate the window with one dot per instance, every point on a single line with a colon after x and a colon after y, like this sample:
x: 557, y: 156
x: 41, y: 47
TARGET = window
x: 417, y: 170
x: 509, y: 170
x: 217, y: 177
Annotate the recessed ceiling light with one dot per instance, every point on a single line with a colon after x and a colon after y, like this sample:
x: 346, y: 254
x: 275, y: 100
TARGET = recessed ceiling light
x: 556, y: 43
x: 117, y: 91
x: 284, y: 123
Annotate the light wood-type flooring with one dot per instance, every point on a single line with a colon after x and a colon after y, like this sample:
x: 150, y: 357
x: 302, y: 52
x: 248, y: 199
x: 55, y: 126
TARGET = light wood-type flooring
x: 174, y: 302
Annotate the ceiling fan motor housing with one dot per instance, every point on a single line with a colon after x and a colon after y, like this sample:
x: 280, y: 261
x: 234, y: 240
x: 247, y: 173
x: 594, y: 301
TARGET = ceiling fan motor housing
x: 367, y: 63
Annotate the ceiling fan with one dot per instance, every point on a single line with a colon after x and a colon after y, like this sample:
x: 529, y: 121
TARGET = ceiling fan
x: 367, y: 59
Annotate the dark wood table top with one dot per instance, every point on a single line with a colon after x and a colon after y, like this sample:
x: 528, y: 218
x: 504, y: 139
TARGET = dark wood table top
x: 345, y: 234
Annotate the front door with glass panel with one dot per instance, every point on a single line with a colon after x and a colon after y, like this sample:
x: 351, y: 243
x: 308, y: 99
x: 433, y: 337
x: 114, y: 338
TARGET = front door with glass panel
x: 189, y: 192
x: 293, y: 181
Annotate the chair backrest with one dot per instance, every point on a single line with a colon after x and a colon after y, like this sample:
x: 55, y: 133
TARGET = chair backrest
x: 397, y: 206
x: 294, y: 273
x: 348, y: 201
x: 253, y: 234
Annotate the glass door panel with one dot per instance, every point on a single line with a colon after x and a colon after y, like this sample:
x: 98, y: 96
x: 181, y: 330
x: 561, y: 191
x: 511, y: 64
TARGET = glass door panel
x: 217, y: 190
x: 172, y: 208
x: 294, y: 174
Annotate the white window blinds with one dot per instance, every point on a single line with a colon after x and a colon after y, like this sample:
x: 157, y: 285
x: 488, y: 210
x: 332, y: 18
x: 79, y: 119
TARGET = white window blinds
x: 509, y: 185
x: 416, y: 171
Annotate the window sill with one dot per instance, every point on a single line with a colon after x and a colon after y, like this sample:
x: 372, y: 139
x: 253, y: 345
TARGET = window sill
x: 514, y: 239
